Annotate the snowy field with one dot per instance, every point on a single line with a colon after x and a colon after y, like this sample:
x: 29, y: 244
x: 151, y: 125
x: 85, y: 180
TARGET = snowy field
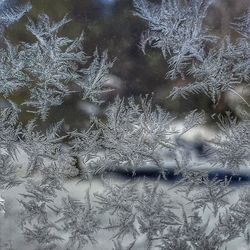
x: 9, y: 229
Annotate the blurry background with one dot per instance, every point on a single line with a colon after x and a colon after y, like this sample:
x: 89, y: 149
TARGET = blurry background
x: 112, y: 25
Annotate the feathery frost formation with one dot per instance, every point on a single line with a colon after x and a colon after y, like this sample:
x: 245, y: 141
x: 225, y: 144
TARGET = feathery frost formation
x: 178, y: 29
x: 49, y: 66
x: 198, y: 211
x: 12, y: 11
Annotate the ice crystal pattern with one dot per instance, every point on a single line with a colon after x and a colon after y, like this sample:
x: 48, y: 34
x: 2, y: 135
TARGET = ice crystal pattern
x: 196, y: 212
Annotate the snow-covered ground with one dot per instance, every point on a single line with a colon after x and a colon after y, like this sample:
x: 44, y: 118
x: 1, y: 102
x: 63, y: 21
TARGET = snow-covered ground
x: 9, y: 229
x: 9, y: 219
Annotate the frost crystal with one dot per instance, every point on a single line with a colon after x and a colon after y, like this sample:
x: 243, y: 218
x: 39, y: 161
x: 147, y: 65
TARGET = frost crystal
x: 200, y: 210
x: 176, y: 27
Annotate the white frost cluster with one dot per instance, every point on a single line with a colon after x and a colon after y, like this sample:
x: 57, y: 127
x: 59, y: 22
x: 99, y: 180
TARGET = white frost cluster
x: 199, y: 211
